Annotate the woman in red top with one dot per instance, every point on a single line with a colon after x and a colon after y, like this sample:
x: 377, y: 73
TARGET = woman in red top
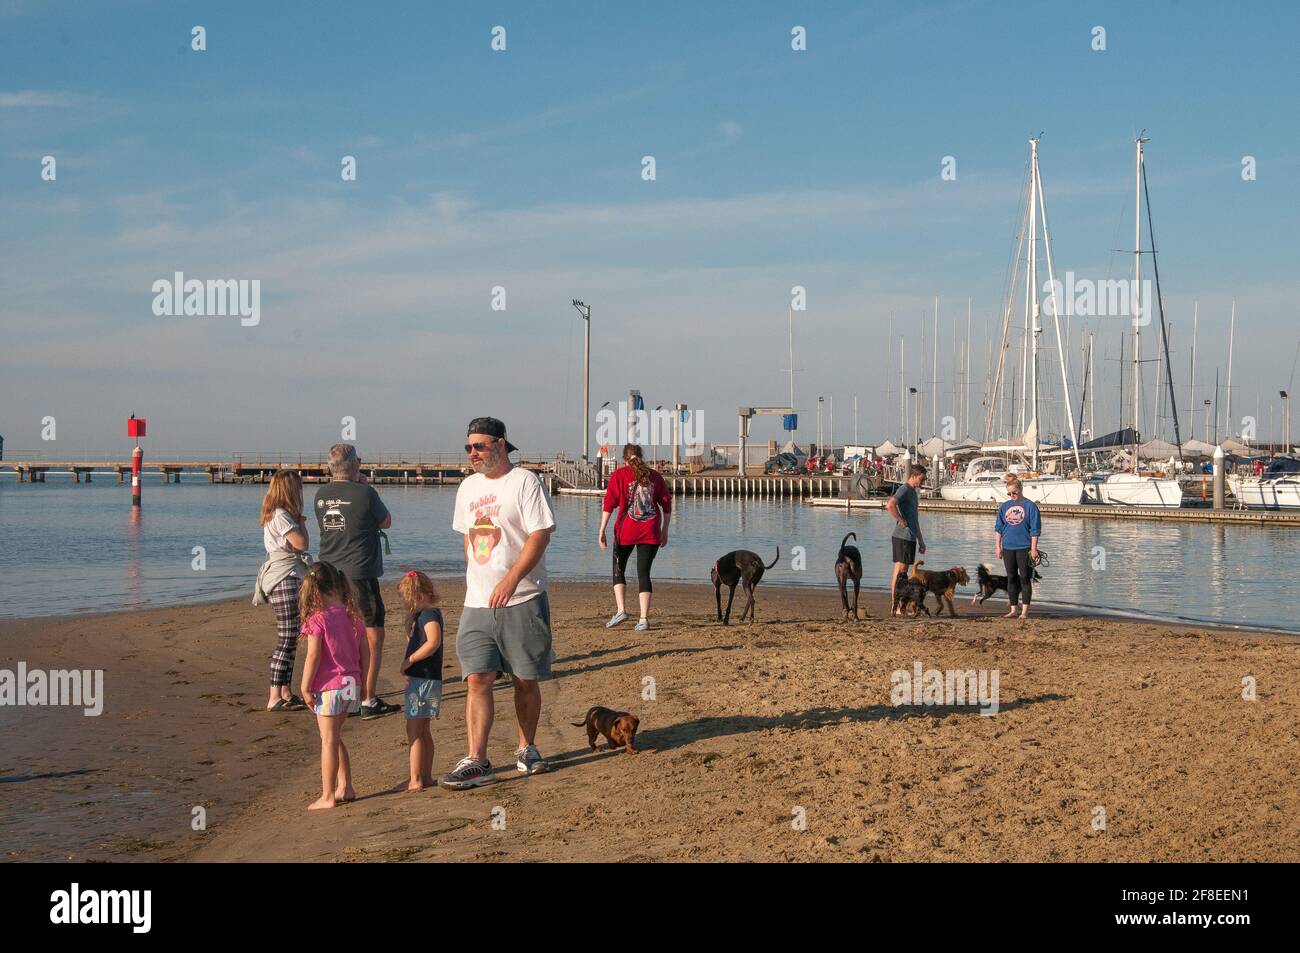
x: 641, y: 496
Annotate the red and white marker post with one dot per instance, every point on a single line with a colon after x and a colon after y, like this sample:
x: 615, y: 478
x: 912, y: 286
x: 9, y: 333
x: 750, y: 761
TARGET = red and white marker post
x: 137, y: 460
x: 135, y: 427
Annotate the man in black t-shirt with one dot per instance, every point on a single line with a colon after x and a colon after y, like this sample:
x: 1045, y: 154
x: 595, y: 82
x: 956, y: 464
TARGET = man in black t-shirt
x: 349, y: 515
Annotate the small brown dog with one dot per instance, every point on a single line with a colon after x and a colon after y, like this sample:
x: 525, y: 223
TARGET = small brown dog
x: 617, y: 726
x: 942, y: 584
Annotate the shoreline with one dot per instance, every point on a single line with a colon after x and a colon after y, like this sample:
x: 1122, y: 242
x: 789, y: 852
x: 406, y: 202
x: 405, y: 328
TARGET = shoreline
x: 748, y: 722
x: 876, y: 591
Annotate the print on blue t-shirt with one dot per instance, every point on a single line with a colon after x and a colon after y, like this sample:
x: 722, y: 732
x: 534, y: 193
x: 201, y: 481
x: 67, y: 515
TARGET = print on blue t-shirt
x: 1018, y: 522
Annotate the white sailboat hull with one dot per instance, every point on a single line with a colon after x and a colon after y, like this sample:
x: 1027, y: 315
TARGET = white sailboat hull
x: 1267, y: 494
x: 1038, y: 490
x: 1130, y: 489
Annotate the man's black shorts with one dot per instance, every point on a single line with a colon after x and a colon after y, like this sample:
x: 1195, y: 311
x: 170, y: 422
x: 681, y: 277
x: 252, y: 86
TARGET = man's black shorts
x: 904, y: 550
x: 369, y: 602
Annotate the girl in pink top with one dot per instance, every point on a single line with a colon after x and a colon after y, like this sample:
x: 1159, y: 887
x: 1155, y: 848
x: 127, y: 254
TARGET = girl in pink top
x: 337, y: 654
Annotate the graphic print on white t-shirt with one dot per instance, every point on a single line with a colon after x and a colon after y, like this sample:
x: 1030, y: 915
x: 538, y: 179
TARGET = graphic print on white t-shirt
x: 496, y: 518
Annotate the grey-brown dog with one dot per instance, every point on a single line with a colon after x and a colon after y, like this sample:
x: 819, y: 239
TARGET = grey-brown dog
x: 739, y: 567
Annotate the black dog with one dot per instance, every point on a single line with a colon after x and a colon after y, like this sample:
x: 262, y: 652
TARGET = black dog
x: 743, y: 567
x: 990, y: 583
x: 908, y: 593
x: 848, y: 565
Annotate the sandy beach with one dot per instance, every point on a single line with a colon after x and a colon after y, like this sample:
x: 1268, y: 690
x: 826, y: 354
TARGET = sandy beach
x: 776, y: 741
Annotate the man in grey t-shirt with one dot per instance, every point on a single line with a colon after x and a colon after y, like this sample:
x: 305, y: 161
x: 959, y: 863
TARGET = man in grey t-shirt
x: 349, y: 515
x: 907, y: 539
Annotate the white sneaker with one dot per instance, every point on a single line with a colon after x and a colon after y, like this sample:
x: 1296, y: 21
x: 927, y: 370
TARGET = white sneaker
x: 617, y: 619
x: 643, y: 625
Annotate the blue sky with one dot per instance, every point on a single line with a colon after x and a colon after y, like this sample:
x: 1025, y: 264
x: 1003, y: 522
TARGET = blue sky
x: 522, y: 169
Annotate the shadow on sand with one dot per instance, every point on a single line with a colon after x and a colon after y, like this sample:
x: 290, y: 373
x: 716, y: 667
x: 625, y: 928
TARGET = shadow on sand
x: 702, y: 729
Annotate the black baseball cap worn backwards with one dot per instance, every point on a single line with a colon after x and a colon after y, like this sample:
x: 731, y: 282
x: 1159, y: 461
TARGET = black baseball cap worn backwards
x: 490, y: 427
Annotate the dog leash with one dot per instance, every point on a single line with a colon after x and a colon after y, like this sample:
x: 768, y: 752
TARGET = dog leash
x: 1042, y: 560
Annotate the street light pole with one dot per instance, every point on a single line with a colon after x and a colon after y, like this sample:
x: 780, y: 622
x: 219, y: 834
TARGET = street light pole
x: 585, y: 311
x: 1286, y: 406
x: 915, y: 425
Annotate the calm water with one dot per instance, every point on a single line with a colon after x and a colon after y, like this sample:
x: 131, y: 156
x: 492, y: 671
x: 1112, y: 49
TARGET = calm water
x: 67, y: 547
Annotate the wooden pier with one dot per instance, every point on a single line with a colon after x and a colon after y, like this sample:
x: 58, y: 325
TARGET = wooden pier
x: 734, y: 487
x: 1191, y: 514
x: 412, y: 473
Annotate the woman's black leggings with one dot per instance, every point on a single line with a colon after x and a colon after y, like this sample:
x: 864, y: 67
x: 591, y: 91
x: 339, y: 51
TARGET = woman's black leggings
x: 1020, y: 575
x: 645, y: 555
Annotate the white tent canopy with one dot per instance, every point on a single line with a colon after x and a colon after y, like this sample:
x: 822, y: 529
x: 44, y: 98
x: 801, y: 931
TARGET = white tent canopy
x: 1240, y: 449
x: 887, y: 449
x: 1157, y: 450
x: 934, y: 447
x: 1197, y: 448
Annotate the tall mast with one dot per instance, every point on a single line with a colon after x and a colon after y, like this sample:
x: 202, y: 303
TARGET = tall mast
x: 791, y: 314
x: 934, y: 375
x: 1167, y: 368
x: 1056, y: 325
x: 1032, y: 303
x: 1136, y: 298
x: 1191, y: 387
x: 902, y: 391
x: 1092, y: 399
x: 1157, y: 406
x: 1227, y: 417
x: 968, y: 369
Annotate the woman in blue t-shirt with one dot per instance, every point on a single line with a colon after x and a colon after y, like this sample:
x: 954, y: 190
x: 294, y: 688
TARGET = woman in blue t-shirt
x: 1016, y: 532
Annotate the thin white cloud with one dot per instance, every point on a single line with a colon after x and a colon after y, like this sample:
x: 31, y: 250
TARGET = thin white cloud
x: 37, y: 99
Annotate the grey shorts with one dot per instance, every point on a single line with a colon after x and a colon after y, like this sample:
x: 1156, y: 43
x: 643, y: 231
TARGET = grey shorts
x: 514, y: 639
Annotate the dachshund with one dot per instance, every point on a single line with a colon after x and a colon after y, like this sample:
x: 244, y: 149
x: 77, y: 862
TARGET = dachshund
x: 617, y: 726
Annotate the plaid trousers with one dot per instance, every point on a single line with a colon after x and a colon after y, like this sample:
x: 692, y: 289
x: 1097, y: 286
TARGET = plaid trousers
x: 288, y: 622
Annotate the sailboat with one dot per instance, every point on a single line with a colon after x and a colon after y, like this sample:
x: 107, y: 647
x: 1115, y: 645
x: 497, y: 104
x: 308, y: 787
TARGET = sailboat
x: 985, y: 478
x: 1277, y: 488
x: 1137, y: 487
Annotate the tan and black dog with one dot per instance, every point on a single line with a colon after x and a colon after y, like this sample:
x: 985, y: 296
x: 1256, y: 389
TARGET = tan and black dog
x: 617, y: 726
x: 942, y: 584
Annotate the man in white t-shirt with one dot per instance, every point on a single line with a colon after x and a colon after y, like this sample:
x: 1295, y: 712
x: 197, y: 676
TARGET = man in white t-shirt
x: 505, y: 517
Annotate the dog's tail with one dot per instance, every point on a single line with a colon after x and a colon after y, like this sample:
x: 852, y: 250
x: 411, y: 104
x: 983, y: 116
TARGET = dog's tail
x: 919, y: 562
x: 774, y: 560
x: 577, y: 724
x: 846, y: 539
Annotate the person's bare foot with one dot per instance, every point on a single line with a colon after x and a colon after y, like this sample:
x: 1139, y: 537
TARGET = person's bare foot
x: 344, y: 796
x: 1012, y: 613
x: 416, y: 785
x: 322, y: 803
x: 1024, y: 613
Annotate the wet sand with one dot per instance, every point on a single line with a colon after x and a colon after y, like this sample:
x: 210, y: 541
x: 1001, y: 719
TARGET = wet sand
x: 751, y: 730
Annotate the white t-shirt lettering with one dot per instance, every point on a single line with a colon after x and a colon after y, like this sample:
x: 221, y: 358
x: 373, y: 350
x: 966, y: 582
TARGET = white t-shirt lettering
x: 496, y: 517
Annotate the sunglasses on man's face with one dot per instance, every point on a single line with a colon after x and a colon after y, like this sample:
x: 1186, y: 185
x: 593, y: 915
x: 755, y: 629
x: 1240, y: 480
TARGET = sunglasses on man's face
x: 480, y: 447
